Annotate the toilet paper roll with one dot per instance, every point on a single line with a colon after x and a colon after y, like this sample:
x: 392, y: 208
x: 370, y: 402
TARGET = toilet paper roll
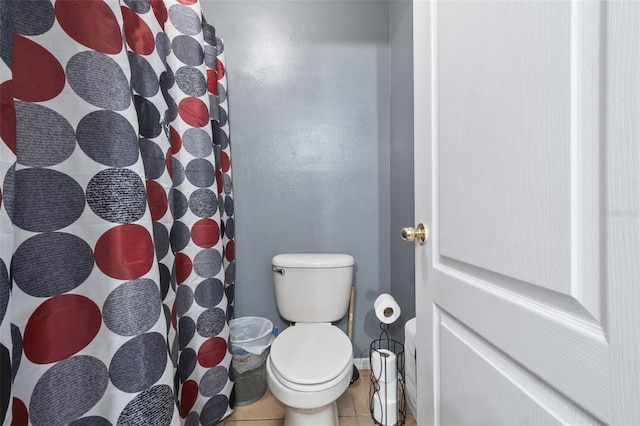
x: 385, y: 404
x: 384, y: 365
x: 387, y: 309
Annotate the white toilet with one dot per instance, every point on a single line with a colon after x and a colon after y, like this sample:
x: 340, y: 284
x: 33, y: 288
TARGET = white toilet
x: 311, y: 362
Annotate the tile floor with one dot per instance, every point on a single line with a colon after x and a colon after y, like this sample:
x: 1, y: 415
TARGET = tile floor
x: 353, y: 409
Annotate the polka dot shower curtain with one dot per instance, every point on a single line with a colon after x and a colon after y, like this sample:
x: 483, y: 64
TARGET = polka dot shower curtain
x: 116, y: 215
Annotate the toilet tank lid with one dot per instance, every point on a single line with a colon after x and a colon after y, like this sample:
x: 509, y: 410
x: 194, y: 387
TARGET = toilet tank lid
x: 313, y: 260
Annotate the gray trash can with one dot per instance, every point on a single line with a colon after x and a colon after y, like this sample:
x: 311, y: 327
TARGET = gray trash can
x: 251, y: 338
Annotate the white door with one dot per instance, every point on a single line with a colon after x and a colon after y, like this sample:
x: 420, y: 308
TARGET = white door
x: 527, y: 176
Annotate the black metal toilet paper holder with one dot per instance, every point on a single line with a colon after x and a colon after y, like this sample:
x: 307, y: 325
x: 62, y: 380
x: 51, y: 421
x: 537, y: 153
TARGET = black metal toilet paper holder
x: 379, y: 392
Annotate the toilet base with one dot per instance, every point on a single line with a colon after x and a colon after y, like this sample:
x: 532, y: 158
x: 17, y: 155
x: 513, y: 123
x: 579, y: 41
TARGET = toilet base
x: 323, y: 416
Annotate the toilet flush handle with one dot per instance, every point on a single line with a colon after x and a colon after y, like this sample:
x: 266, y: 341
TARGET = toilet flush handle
x: 278, y: 270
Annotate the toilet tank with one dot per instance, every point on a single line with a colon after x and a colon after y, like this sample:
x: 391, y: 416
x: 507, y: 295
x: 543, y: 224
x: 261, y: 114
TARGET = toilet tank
x: 312, y: 287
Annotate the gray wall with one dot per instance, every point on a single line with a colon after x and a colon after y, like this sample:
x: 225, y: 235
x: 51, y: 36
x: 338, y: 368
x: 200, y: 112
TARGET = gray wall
x: 309, y: 100
x: 401, y: 155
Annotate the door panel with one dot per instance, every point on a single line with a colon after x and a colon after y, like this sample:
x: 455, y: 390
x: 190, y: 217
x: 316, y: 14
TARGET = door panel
x: 512, y: 175
x: 503, y: 108
x: 473, y: 360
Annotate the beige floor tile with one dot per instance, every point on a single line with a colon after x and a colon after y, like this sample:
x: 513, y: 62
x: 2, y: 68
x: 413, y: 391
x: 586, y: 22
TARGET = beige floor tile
x: 348, y: 421
x: 266, y: 408
x: 366, y: 421
x: 361, y: 395
x: 346, y: 406
x: 275, y: 422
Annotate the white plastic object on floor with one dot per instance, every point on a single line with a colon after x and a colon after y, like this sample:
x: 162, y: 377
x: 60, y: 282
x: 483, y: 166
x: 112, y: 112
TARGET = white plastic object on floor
x: 411, y: 390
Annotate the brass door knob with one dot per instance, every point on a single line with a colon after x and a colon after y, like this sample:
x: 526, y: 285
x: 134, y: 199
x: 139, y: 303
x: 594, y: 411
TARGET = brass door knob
x: 409, y: 234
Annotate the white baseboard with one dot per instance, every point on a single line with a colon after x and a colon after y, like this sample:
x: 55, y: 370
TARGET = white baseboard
x: 362, y: 363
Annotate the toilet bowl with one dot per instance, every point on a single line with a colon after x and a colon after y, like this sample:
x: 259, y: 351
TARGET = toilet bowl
x: 311, y: 362
x: 308, y: 368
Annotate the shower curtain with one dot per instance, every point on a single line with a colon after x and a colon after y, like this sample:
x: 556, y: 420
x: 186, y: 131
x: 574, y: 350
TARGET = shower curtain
x: 116, y: 215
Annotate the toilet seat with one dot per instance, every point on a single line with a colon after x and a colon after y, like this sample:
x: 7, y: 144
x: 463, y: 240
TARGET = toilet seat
x: 311, y: 357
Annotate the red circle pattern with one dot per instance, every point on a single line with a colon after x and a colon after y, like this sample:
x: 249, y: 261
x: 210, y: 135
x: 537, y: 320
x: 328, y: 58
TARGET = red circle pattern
x: 60, y: 327
x: 212, y: 352
x: 37, y: 74
x: 7, y: 115
x: 157, y: 199
x: 125, y: 252
x: 160, y: 11
x: 188, y: 397
x: 194, y: 112
x: 137, y: 33
x: 175, y: 139
x: 205, y: 233
x: 78, y: 18
x: 184, y: 266
x: 19, y: 413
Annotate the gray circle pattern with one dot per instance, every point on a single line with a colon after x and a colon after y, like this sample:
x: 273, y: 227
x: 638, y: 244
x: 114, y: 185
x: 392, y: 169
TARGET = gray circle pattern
x: 209, y: 293
x: 41, y: 264
x: 210, y: 56
x: 223, y: 116
x: 214, y: 409
x: 227, y: 184
x: 223, y: 138
x: 197, y: 142
x: 187, y: 364
x: 228, y: 205
x: 180, y: 236
x: 211, y: 322
x: 62, y: 395
x: 16, y: 357
x: 213, y: 381
x: 91, y: 421
x: 185, y: 19
x: 163, y: 45
x: 153, y: 159
x: 188, y: 50
x: 191, y: 81
x: 193, y: 419
x: 4, y: 289
x: 186, y: 331
x: 178, y: 203
x: 200, y: 173
x: 203, y: 203
x: 116, y: 148
x: 133, y: 307
x: 8, y: 190
x: 177, y: 172
x: 139, y: 6
x: 153, y: 407
x: 32, y: 17
x: 207, y: 263
x: 47, y: 137
x: 49, y: 200
x: 99, y: 80
x: 222, y: 93
x: 230, y: 274
x: 139, y: 363
x: 230, y: 228
x: 148, y: 117
x: 117, y: 195
x: 143, y: 77
x: 165, y: 280
x: 184, y: 300
x: 160, y: 240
